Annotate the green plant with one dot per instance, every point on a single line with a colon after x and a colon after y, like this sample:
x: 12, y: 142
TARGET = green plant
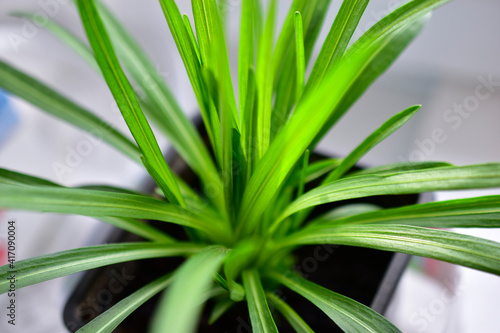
x: 252, y: 211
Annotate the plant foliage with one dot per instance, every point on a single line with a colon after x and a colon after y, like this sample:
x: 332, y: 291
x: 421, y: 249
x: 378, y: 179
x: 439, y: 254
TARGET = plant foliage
x: 252, y: 210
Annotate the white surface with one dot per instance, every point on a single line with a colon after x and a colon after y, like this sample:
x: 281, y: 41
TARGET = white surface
x: 438, y: 70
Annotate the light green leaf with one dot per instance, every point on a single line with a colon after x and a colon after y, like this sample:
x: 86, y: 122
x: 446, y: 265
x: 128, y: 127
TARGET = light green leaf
x: 99, y: 203
x: 180, y: 307
x: 313, y: 13
x: 243, y: 255
x: 193, y: 66
x: 164, y: 109
x: 40, y: 95
x: 348, y: 314
x: 342, y: 212
x: 400, y: 166
x: 245, y: 58
x: 337, y: 40
x: 35, y: 270
x: 479, y: 212
x: 442, y: 245
x: 260, y: 315
x: 386, y: 39
x: 301, y: 130
x: 192, y: 37
x: 64, y: 35
x: 126, y: 99
x: 300, y: 58
x: 109, y: 320
x: 315, y: 170
x: 437, y: 179
x: 134, y: 226
x: 389, y: 127
x: 298, y: 324
x: 264, y: 80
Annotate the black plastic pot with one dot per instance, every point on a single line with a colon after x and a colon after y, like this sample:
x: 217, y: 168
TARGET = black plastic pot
x: 366, y: 275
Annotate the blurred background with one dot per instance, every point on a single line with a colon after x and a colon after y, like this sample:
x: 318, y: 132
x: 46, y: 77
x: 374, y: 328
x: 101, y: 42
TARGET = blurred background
x: 457, y: 55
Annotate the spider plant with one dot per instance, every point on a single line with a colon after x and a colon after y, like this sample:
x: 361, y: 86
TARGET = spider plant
x: 252, y: 210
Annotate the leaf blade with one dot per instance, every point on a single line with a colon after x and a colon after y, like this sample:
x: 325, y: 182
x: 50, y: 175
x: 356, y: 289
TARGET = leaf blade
x: 99, y: 203
x: 380, y: 134
x: 109, y: 320
x: 437, y: 179
x: 298, y: 324
x: 42, y: 96
x: 51, y: 266
x: 350, y: 315
x: 128, y: 224
x: 126, y: 99
x: 442, y: 245
x: 260, y: 315
x: 478, y: 212
x: 181, y: 305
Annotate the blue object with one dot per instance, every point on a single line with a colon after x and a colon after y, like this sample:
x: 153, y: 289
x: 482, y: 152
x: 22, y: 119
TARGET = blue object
x: 9, y: 119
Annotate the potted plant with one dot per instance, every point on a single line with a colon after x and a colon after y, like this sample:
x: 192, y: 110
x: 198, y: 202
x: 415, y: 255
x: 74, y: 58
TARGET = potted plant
x: 250, y: 213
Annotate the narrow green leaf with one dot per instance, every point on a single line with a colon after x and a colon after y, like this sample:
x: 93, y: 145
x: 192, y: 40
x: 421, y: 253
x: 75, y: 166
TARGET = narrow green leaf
x: 315, y: 170
x: 239, y: 172
x: 134, y: 226
x: 298, y: 324
x: 248, y: 125
x: 260, y: 315
x: 180, y: 307
x: 245, y: 59
x: 300, y: 58
x: 109, y: 320
x: 143, y: 72
x: 192, y: 65
x: 40, y: 95
x: 337, y: 40
x: 300, y: 131
x: 99, y: 203
x: 213, y: 51
x: 438, y: 179
x: 402, y: 16
x: 348, y: 314
x: 39, y: 269
x: 16, y: 178
x: 238, y: 260
x: 313, y: 13
x: 442, y: 245
x: 127, y: 101
x: 64, y: 35
x: 389, y: 127
x: 400, y: 166
x: 264, y: 80
x: 220, y: 308
x: 342, y: 212
x: 164, y: 110
x: 386, y: 39
x: 303, y: 173
x: 480, y: 212
x: 287, y: 34
x: 192, y: 37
